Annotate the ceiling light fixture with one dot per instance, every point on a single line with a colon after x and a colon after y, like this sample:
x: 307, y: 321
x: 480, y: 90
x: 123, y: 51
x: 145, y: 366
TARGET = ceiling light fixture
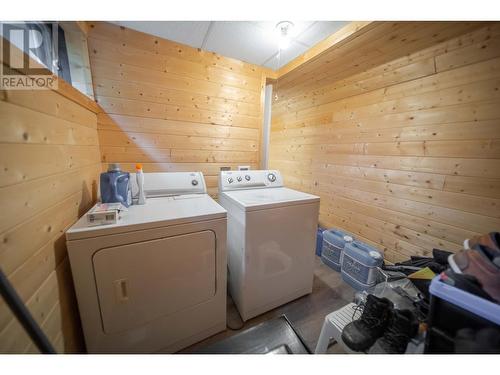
x: 284, y: 29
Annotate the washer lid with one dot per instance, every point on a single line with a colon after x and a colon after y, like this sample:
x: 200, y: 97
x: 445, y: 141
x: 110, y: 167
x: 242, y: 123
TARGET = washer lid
x: 257, y: 199
x: 157, y: 212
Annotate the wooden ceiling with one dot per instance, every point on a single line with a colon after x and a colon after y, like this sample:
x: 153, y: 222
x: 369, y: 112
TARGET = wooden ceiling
x: 361, y: 46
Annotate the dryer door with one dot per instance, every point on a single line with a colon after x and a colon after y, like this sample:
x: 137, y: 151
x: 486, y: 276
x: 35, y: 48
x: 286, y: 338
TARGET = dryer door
x: 140, y: 282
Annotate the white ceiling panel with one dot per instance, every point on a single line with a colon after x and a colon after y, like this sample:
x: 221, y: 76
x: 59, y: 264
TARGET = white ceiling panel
x: 191, y: 33
x: 241, y: 40
x: 295, y: 49
x: 299, y: 27
x: 255, y: 42
x: 320, y: 31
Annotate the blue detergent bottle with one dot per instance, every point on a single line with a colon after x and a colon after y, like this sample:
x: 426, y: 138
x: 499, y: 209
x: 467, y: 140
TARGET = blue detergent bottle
x: 115, y: 186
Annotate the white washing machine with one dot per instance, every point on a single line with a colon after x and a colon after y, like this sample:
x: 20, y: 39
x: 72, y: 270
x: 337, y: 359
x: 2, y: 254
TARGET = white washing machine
x: 156, y: 280
x: 271, y: 240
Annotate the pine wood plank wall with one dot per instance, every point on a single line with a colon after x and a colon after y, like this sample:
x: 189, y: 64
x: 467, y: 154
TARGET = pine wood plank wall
x: 48, y: 178
x: 405, y: 155
x: 173, y: 107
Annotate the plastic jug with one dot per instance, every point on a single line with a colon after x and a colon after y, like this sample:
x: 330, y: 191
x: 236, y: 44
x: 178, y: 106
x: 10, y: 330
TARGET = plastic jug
x: 115, y: 186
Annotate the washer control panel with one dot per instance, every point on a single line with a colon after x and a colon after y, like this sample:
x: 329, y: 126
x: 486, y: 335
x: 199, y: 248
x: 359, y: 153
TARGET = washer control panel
x: 252, y: 179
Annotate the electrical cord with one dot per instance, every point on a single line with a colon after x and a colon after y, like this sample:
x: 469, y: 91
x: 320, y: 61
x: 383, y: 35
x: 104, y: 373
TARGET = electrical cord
x: 24, y: 317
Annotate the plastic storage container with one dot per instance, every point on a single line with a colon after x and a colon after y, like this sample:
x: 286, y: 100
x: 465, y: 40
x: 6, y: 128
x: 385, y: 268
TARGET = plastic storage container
x: 359, y: 265
x: 452, y: 309
x: 334, y: 241
x: 319, y: 240
x: 115, y: 186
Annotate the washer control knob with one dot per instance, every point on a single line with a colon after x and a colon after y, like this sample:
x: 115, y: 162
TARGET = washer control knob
x: 230, y: 180
x: 247, y: 177
x: 194, y: 182
x: 239, y: 178
x: 271, y: 177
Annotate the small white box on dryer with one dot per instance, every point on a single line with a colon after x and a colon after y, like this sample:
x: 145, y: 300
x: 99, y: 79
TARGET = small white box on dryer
x: 104, y: 214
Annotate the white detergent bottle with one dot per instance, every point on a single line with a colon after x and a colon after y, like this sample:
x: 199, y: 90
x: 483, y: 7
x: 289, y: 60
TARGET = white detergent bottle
x: 139, y: 175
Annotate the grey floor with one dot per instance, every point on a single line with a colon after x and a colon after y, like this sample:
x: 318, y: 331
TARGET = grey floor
x: 306, y: 313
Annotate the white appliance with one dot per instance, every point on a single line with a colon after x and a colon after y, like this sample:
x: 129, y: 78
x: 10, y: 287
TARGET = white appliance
x: 271, y: 239
x: 156, y: 280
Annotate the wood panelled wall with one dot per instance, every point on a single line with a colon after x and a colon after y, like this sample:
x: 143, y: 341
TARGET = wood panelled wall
x: 405, y: 155
x: 48, y: 178
x: 173, y: 107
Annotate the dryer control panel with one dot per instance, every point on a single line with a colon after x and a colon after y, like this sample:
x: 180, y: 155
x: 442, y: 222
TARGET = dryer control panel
x: 253, y: 179
x: 165, y: 184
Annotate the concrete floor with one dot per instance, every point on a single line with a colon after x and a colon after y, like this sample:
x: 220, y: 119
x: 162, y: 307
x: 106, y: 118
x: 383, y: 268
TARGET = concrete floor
x: 306, y: 313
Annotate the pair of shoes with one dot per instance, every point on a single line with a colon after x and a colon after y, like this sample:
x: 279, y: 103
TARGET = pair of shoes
x: 381, y: 328
x: 481, y: 259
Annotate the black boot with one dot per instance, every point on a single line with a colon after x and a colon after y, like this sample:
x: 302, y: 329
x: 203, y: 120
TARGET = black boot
x: 403, y: 325
x: 360, y: 334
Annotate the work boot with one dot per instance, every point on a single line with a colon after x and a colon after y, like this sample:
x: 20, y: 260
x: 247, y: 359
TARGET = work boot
x: 403, y: 325
x: 360, y: 334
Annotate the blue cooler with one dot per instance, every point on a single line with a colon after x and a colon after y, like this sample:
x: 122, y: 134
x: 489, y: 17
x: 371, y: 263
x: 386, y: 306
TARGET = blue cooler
x: 334, y: 241
x: 359, y: 265
x: 319, y: 240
